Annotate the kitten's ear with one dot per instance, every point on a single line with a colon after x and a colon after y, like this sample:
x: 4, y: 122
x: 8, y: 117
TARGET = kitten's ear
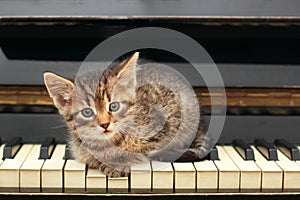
x: 127, y: 69
x: 128, y: 65
x: 60, y: 90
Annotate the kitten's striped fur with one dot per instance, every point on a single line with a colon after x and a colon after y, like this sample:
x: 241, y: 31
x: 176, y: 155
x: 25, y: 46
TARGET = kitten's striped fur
x: 131, y: 140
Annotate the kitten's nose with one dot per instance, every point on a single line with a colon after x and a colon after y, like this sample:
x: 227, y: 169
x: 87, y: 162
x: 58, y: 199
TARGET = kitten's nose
x: 105, y: 125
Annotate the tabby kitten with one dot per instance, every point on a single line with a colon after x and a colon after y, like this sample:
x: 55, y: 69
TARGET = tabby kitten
x: 117, y: 120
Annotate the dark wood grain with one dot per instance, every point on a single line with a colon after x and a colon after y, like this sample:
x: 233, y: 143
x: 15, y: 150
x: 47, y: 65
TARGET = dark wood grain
x: 240, y: 97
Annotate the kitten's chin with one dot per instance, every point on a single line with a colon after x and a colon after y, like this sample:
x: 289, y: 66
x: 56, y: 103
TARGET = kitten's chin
x: 97, y: 135
x: 102, y: 136
x: 105, y: 135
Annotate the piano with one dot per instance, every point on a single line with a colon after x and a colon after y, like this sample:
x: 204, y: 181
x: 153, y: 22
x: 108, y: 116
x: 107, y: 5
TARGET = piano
x: 255, y: 45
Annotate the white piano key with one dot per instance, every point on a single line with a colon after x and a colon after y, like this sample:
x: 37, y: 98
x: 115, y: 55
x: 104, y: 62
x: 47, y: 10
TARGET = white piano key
x: 52, y: 171
x: 185, y: 177
x: 229, y: 173
x: 162, y: 177
x: 9, y: 170
x: 30, y: 171
x: 95, y: 181
x: 207, y: 176
x: 271, y: 179
x: 250, y: 178
x: 74, y: 176
x: 1, y: 153
x: 140, y: 178
x: 291, y: 171
x: 120, y: 184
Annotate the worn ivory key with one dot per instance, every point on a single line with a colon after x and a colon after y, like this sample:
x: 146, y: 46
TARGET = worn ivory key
x: 53, y: 167
x: 185, y: 177
x: 271, y: 179
x: 207, y: 176
x: 229, y: 173
x: 30, y: 171
x: 140, y: 180
x: 291, y: 173
x: 9, y: 170
x: 95, y: 181
x: 250, y: 178
x: 120, y: 184
x: 162, y: 177
x: 74, y: 176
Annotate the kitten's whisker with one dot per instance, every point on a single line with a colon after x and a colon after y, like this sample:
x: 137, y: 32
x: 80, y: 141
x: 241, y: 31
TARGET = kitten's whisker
x: 124, y: 130
x: 127, y: 126
x: 59, y: 126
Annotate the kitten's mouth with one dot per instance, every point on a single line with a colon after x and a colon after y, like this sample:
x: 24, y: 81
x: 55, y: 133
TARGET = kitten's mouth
x: 107, y: 132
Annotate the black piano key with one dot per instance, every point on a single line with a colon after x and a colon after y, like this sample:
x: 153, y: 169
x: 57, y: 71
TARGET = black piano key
x: 47, y: 148
x: 243, y: 149
x: 266, y: 149
x: 68, y: 155
x: 12, y: 147
x: 213, y: 154
x: 288, y: 149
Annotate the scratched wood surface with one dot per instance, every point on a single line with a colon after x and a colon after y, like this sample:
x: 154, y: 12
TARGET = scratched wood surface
x: 243, y: 97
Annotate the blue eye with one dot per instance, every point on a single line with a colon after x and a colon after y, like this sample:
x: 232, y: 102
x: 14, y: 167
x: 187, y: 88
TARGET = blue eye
x: 87, y: 112
x: 114, y: 106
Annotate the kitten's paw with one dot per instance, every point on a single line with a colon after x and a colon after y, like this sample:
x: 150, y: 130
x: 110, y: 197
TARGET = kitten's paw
x: 121, y: 171
x: 200, y: 152
x: 193, y: 155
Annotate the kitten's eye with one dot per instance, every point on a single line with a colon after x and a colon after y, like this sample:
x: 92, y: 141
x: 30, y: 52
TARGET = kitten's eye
x: 87, y: 112
x: 113, y: 107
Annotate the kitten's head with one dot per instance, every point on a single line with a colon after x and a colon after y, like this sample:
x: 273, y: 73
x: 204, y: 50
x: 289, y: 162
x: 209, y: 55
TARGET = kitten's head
x: 95, y: 103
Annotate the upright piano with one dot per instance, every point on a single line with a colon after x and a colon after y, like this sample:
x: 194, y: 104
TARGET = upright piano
x: 256, y: 47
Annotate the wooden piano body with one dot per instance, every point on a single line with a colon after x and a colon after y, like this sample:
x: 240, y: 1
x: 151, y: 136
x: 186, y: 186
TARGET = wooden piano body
x: 255, y: 45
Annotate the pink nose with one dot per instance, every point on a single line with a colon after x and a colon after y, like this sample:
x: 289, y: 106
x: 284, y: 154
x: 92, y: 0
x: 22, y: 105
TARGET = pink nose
x: 105, y: 125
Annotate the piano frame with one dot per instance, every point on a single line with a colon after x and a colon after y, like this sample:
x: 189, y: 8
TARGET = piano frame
x: 29, y: 20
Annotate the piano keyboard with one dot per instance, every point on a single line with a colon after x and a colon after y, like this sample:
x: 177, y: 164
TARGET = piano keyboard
x: 47, y: 167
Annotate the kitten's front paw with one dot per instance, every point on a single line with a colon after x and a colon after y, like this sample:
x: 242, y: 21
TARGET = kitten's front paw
x: 120, y: 171
x: 193, y: 155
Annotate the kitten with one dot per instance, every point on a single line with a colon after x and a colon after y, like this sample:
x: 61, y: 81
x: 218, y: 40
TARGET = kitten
x: 115, y: 124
